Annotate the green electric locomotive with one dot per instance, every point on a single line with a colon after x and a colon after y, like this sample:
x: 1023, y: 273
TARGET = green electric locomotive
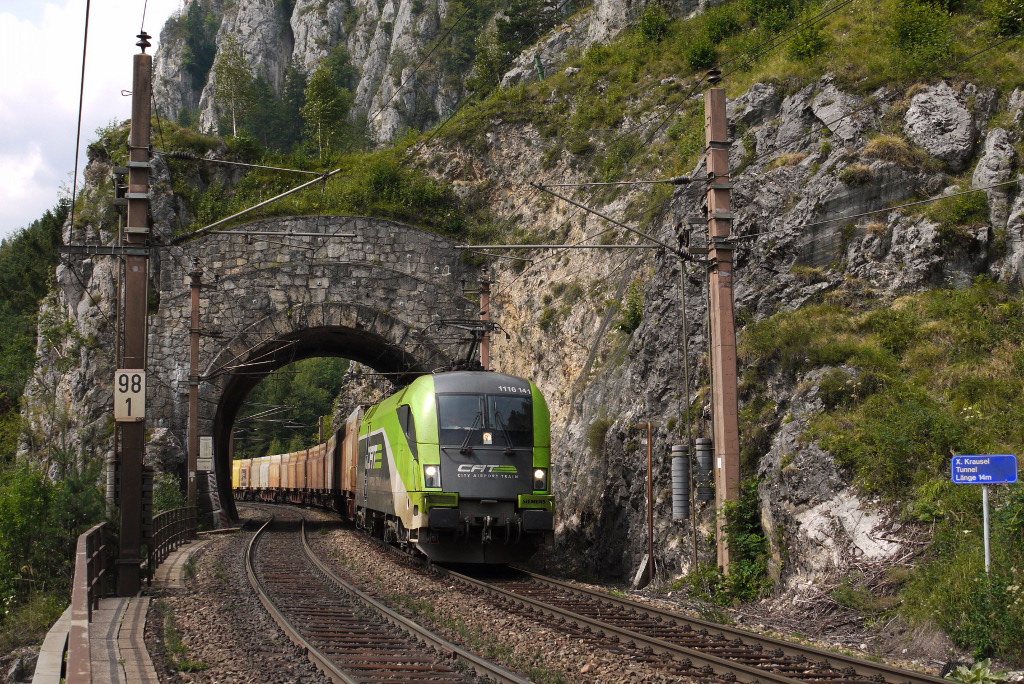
x: 458, y: 465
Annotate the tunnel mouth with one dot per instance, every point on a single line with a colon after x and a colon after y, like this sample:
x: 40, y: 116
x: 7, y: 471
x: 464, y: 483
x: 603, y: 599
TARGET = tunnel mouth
x: 242, y: 375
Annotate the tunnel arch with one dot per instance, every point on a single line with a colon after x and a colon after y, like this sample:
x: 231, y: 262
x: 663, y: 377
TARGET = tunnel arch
x: 371, y: 290
x: 341, y: 329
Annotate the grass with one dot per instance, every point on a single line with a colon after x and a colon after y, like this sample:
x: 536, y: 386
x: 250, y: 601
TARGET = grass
x: 27, y: 623
x: 191, y: 568
x: 174, y: 646
x: 375, y: 184
x: 930, y: 375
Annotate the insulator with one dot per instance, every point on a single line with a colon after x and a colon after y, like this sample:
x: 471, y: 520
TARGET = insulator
x: 179, y: 154
x: 680, y: 482
x: 705, y: 463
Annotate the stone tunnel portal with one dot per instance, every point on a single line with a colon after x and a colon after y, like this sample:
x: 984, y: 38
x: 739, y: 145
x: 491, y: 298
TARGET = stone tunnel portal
x: 367, y: 343
x: 379, y: 297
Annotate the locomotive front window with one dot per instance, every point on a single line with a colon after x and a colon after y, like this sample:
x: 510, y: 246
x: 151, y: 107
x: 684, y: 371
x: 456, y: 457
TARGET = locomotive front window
x: 460, y: 416
x: 512, y: 416
x: 473, y: 420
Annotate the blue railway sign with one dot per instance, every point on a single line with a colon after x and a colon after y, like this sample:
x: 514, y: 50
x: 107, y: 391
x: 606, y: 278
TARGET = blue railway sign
x: 984, y: 470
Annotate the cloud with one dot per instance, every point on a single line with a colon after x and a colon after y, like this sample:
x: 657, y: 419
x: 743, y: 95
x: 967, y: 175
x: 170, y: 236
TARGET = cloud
x: 41, y: 50
x: 24, y: 181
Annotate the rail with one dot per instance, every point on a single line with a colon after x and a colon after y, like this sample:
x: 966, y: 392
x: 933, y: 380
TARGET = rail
x: 171, y: 529
x: 91, y: 571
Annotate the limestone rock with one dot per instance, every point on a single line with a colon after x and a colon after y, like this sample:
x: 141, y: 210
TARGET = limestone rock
x: 551, y: 51
x: 754, y: 107
x: 997, y: 164
x: 940, y: 123
x: 811, y: 510
x: 265, y: 42
x: 1016, y: 105
x: 164, y: 451
x: 1011, y: 266
x: 840, y: 112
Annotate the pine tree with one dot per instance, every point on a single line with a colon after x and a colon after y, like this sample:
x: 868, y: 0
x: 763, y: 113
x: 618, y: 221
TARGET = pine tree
x: 326, y: 109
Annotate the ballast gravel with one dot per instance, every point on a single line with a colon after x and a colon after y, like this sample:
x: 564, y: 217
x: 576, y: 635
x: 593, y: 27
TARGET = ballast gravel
x: 533, y: 650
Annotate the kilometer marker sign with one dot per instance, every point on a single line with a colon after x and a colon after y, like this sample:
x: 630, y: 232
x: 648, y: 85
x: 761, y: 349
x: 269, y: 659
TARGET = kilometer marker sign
x: 985, y: 469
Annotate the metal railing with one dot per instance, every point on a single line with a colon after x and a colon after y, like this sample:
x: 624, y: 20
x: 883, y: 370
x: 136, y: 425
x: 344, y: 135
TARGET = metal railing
x: 90, y: 583
x: 93, y: 554
x: 171, y: 529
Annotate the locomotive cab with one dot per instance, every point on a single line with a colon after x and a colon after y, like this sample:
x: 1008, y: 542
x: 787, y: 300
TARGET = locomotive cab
x: 457, y: 465
x: 494, y: 452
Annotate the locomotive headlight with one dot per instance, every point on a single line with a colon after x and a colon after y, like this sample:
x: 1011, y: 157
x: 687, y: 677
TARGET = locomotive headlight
x: 540, y: 479
x: 431, y: 477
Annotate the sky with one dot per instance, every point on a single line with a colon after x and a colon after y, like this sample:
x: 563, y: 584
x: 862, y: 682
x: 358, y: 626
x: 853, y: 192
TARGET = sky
x: 40, y: 73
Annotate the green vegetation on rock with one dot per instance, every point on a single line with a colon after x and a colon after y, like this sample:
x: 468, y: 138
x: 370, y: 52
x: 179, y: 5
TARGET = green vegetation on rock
x: 906, y: 387
x: 27, y: 261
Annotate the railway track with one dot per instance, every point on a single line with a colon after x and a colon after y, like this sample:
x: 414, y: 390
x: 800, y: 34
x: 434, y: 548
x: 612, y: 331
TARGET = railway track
x: 350, y: 635
x: 694, y: 648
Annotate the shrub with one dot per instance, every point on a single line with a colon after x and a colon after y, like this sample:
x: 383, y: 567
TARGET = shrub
x: 700, y: 54
x: 596, y: 434
x: 956, y: 215
x: 748, y: 578
x: 548, y: 318
x: 632, y: 309
x: 721, y: 22
x: 653, y: 25
x: 856, y: 174
x: 809, y: 42
x: 771, y: 15
x: 980, y: 611
x: 167, y: 494
x: 920, y: 33
x: 1007, y: 15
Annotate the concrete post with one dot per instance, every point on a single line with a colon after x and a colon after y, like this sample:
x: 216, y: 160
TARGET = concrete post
x: 725, y: 411
x: 133, y: 434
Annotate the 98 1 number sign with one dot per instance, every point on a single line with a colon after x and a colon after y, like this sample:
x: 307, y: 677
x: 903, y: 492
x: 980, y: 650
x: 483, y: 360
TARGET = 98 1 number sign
x: 129, y: 395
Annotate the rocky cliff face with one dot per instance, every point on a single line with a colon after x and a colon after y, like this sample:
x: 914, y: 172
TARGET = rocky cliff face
x: 385, y: 41
x: 806, y: 159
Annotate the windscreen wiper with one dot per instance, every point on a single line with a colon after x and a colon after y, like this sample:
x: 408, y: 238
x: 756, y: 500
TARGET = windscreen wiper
x: 465, y: 448
x: 504, y: 432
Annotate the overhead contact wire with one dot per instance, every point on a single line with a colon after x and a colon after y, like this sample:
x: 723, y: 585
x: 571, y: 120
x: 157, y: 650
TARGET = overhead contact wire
x: 81, y: 100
